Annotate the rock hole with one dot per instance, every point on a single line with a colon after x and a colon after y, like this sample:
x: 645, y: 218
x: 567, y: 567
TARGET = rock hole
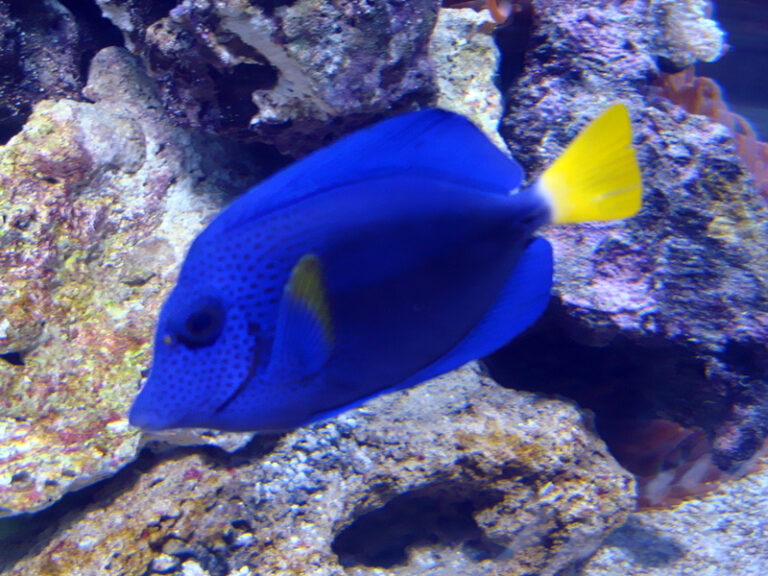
x: 153, y: 11
x: 241, y: 525
x: 13, y: 358
x: 513, y: 41
x: 439, y: 517
x: 235, y: 105
x: 621, y: 379
x: 269, y: 6
x: 96, y: 31
x: 648, y: 400
x: 12, y: 119
x: 20, y: 477
x: 744, y: 356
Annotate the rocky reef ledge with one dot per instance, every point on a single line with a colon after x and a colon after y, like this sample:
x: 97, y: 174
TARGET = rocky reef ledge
x: 458, y: 476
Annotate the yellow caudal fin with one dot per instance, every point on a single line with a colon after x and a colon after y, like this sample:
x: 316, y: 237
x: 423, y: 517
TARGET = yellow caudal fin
x: 597, y: 177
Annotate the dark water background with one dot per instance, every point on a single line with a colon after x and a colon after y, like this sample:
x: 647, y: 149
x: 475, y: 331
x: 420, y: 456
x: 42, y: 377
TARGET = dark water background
x: 743, y: 71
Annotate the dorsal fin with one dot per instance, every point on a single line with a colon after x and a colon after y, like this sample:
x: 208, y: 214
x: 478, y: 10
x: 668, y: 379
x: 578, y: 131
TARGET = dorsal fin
x: 427, y: 142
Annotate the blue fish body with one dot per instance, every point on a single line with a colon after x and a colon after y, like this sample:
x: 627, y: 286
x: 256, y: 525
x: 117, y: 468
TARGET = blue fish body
x: 387, y: 258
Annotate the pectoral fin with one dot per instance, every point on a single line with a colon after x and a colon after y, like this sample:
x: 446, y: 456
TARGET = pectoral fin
x: 304, y: 335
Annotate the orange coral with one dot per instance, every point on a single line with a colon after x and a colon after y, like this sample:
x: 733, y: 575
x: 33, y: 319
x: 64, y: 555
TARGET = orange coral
x: 671, y: 463
x: 501, y: 10
x: 701, y: 95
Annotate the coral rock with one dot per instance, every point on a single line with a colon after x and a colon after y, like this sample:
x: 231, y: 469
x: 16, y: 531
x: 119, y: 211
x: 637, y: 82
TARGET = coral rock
x: 689, y: 34
x: 688, y: 274
x: 294, y: 74
x: 701, y: 95
x: 458, y: 475
x: 720, y: 533
x: 97, y: 210
x: 466, y: 60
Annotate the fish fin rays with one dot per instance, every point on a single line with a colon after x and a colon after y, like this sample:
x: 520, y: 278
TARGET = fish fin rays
x: 597, y: 177
x: 522, y: 300
x: 304, y: 334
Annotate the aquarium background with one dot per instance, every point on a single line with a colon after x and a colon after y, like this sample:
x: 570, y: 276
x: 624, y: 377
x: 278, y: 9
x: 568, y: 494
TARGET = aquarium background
x: 622, y: 434
x: 745, y: 22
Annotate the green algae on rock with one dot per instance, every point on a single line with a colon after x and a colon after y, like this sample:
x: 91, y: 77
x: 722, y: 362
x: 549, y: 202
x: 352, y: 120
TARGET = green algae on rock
x: 538, y: 489
x: 55, y: 237
x: 81, y: 187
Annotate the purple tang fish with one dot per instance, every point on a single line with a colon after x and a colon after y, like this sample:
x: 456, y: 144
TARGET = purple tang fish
x: 394, y: 255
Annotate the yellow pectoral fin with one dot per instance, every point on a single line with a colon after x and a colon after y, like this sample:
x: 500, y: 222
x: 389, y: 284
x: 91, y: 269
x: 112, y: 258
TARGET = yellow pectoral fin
x: 307, y: 286
x: 304, y: 337
x: 597, y: 177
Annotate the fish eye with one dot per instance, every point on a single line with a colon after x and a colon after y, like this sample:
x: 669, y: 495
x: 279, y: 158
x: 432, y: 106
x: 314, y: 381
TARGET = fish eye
x: 203, y: 325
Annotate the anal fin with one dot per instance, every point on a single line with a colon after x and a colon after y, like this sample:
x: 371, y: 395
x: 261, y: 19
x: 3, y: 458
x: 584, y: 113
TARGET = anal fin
x: 520, y: 303
x: 522, y: 300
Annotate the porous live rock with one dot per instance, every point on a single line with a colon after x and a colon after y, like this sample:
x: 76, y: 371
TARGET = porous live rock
x: 97, y: 209
x: 721, y: 533
x: 39, y: 58
x: 689, y: 34
x: 456, y: 476
x: 44, y: 46
x: 466, y: 61
x: 686, y: 276
x: 294, y: 74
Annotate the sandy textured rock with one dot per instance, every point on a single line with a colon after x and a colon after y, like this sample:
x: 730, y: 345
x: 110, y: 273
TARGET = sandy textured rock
x: 97, y: 210
x: 688, y: 275
x: 438, y: 479
x: 295, y: 74
x: 689, y: 33
x: 722, y: 533
x: 466, y: 59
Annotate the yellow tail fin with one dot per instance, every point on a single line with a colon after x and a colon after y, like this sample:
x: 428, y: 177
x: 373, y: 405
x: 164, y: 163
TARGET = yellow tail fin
x: 597, y: 177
